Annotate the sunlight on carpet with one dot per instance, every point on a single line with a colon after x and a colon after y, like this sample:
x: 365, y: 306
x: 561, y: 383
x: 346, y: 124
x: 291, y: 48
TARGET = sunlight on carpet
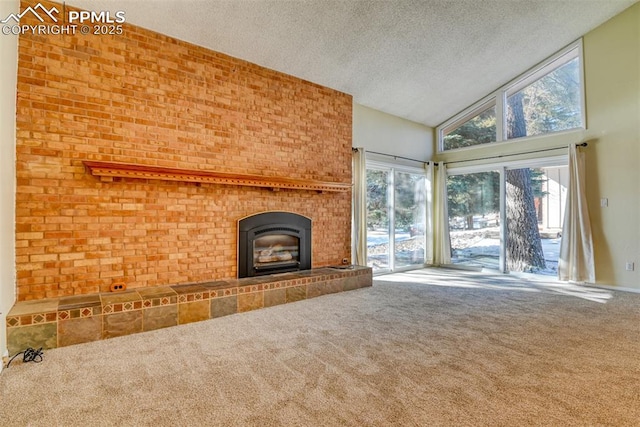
x: 466, y: 279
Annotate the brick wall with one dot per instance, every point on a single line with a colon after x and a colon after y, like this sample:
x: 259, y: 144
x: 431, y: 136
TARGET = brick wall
x: 145, y: 98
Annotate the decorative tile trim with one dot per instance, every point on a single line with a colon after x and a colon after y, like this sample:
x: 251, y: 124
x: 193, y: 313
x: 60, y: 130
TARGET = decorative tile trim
x: 13, y: 322
x: 225, y: 293
x: 121, y: 307
x: 31, y: 319
x: 76, y: 313
x: 193, y: 297
x: 159, y: 301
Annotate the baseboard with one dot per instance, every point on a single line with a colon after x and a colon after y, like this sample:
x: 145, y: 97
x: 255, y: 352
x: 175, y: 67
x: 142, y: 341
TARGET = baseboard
x: 614, y: 288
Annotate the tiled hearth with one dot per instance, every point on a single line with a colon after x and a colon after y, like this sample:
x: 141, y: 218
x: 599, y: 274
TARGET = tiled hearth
x: 58, y: 322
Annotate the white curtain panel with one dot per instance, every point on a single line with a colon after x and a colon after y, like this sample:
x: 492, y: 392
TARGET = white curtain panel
x: 429, y: 199
x: 359, y: 228
x: 576, y: 262
x: 441, y: 244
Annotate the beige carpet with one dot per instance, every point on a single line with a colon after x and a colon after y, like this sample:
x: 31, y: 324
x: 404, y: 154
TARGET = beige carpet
x: 425, y: 348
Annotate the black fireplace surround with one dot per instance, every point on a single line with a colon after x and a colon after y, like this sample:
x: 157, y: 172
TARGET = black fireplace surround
x: 273, y: 242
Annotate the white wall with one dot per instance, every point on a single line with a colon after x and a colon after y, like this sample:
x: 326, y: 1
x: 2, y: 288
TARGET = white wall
x: 8, y: 77
x: 384, y: 133
x: 612, y: 78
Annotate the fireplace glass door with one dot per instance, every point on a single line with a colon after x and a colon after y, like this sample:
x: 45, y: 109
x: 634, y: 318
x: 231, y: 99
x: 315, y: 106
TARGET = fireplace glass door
x: 276, y: 251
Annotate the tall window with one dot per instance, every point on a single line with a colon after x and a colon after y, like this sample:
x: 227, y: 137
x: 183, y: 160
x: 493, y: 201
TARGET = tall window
x: 508, y: 217
x: 378, y: 216
x: 546, y: 99
x: 474, y: 218
x: 396, y: 218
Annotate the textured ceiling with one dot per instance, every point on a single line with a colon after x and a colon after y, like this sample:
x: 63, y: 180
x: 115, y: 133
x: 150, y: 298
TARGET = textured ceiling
x: 423, y: 60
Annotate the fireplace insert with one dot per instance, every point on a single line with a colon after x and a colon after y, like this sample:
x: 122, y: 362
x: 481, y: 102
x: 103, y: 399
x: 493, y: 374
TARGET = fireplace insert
x: 273, y: 242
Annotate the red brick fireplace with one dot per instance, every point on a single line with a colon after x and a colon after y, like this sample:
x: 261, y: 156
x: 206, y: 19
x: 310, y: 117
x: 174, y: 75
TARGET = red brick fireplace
x: 201, y: 129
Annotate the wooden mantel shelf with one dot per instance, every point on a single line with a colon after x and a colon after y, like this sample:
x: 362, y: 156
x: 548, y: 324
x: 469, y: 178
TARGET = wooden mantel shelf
x: 108, y: 170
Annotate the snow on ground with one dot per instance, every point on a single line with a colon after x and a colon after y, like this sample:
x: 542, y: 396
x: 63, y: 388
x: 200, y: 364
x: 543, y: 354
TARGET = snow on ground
x: 479, y: 248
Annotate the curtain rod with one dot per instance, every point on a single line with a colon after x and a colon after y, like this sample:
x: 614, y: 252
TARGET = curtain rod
x: 580, y: 144
x: 394, y: 156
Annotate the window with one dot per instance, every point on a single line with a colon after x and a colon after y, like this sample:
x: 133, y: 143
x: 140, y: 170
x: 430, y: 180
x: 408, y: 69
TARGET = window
x: 410, y: 208
x: 508, y: 216
x: 480, y: 129
x: 378, y: 215
x: 550, y: 104
x: 474, y: 218
x: 396, y: 217
x: 546, y: 99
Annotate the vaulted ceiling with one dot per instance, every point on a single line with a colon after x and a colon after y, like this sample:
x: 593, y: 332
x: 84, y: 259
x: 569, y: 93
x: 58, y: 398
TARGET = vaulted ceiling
x: 423, y: 60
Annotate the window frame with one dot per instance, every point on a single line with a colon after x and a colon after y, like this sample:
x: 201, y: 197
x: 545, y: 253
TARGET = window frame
x: 499, y: 97
x: 392, y: 168
x: 469, y: 114
x: 501, y: 167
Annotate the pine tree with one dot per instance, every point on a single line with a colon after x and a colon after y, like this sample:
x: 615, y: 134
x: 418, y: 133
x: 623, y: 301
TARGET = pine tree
x: 524, y: 248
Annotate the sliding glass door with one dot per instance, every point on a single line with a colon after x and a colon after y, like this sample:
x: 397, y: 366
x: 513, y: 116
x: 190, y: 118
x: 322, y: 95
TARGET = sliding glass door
x: 535, y: 201
x: 410, y: 207
x: 508, y: 218
x: 396, y: 218
x: 474, y: 219
x: 379, y: 184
